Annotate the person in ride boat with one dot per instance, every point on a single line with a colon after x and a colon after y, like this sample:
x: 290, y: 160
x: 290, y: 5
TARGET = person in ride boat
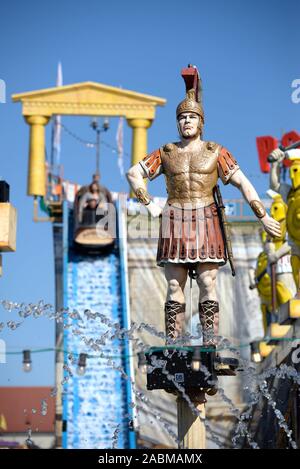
x: 96, y: 196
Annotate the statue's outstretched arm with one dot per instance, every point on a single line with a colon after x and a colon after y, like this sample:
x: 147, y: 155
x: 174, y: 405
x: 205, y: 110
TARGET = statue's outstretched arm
x: 239, y: 180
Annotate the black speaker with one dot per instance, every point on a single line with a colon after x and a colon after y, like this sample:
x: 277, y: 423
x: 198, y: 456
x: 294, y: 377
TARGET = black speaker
x: 171, y: 366
x: 4, y: 191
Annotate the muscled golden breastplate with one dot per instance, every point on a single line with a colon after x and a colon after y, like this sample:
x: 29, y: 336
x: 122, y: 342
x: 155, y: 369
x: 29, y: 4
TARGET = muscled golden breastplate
x: 190, y: 176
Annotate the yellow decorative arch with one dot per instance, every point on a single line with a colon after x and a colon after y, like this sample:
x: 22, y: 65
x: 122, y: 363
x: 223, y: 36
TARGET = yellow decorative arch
x: 82, y: 99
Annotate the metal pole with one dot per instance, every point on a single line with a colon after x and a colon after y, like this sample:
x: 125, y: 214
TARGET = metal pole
x: 193, y: 275
x: 98, y: 153
x: 60, y: 238
x: 129, y: 366
x: 273, y: 285
x: 98, y: 129
x: 59, y: 358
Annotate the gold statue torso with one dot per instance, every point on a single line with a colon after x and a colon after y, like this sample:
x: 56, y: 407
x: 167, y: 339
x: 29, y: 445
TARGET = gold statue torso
x: 190, y: 175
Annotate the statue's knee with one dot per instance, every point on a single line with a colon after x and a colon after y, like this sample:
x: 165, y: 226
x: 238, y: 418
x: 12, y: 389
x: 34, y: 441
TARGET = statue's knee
x: 206, y: 283
x: 174, y: 286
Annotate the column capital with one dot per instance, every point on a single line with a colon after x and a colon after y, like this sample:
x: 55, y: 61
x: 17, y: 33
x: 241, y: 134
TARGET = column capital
x: 37, y: 120
x: 140, y: 123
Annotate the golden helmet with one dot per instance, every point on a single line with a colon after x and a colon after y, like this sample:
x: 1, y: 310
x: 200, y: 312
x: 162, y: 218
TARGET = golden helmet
x: 189, y: 104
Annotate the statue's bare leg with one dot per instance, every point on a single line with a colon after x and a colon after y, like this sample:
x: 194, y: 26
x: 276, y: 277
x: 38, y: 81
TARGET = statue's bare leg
x: 176, y: 276
x: 208, y: 303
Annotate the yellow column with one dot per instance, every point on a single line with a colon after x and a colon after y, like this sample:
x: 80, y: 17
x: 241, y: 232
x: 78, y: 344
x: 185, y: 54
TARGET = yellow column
x: 36, y: 164
x: 139, y: 140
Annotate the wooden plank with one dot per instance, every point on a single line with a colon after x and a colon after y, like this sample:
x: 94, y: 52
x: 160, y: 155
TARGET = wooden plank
x: 191, y: 428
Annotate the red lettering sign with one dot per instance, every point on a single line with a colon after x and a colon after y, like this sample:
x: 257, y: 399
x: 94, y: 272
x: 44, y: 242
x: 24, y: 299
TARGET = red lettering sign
x: 265, y: 145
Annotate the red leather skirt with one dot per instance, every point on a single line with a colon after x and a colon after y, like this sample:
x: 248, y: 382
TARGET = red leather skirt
x: 190, y: 235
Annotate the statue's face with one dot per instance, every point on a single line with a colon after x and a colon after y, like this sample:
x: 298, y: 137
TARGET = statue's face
x: 189, y: 124
x: 94, y: 187
x: 278, y: 210
x: 295, y: 174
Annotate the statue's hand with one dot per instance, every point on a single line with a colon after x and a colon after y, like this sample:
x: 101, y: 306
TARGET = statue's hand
x: 277, y: 155
x: 154, y: 209
x: 271, y: 226
x: 272, y: 258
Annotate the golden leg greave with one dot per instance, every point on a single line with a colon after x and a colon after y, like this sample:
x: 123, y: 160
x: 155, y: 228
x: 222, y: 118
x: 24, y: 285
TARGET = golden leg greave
x: 174, y: 319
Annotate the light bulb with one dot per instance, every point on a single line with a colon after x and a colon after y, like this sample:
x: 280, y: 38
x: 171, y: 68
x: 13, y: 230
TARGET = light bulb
x: 81, y: 370
x: 256, y: 357
x: 27, y: 367
x: 196, y: 365
x: 81, y: 367
x: 106, y: 124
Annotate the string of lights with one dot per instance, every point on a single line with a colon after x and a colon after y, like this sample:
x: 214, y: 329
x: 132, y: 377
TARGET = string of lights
x: 77, y: 137
x: 53, y: 349
x: 81, y: 358
x: 90, y: 144
x: 68, y: 352
x: 115, y: 150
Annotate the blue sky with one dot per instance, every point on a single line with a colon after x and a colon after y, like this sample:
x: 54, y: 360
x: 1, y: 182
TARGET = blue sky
x: 246, y: 52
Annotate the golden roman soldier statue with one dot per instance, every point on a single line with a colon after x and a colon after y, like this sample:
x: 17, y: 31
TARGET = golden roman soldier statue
x: 191, y: 233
